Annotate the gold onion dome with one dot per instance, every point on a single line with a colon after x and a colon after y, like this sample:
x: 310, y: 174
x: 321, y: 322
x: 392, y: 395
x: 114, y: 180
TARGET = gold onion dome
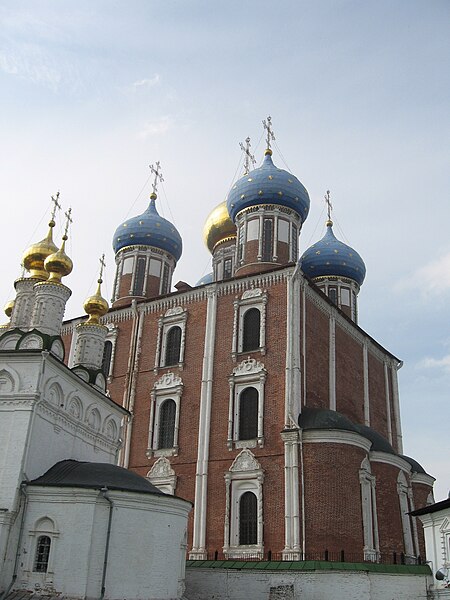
x: 218, y: 227
x: 58, y: 264
x: 33, y: 259
x: 96, y: 306
x: 8, y: 308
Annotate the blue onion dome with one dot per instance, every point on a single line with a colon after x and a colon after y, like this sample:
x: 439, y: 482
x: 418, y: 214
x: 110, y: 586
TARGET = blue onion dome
x: 329, y: 257
x: 208, y: 278
x: 268, y: 185
x: 149, y: 229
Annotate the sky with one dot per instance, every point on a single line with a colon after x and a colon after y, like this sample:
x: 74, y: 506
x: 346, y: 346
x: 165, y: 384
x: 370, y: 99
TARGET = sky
x: 92, y: 92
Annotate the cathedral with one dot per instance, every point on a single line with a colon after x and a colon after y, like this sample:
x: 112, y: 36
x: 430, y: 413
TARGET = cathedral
x: 254, y: 395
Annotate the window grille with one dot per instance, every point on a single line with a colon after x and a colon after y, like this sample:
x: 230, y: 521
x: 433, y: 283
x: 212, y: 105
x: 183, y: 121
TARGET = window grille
x: 227, y: 265
x: 248, y: 521
x: 241, y: 243
x: 42, y: 554
x: 248, y: 414
x: 294, y: 246
x: 165, y: 280
x: 332, y: 295
x: 173, y: 346
x: 138, y: 286
x: 267, y: 240
x: 107, y: 354
x: 251, y: 330
x: 167, y: 414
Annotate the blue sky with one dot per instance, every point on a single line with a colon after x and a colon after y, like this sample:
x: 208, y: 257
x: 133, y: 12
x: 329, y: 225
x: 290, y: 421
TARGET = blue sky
x: 91, y: 92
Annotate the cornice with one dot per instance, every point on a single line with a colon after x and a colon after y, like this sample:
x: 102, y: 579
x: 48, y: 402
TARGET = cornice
x: 390, y: 459
x: 336, y: 436
x: 423, y: 478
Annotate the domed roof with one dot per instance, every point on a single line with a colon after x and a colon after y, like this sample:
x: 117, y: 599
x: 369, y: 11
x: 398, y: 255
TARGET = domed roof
x: 416, y: 467
x: 379, y: 442
x: 218, y: 226
x: 149, y: 229
x: 72, y: 473
x: 208, y: 278
x: 268, y: 185
x: 330, y: 257
x: 323, y: 418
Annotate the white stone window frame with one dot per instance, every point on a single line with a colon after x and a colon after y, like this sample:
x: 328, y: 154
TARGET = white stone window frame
x: 163, y: 476
x: 254, y: 298
x: 248, y: 373
x: 168, y: 387
x: 404, y: 493
x: 244, y: 475
x: 111, y: 336
x: 33, y: 537
x: 369, y: 512
x: 172, y: 317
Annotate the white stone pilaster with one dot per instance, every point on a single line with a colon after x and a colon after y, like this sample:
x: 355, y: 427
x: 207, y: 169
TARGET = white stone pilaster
x: 90, y: 345
x: 49, y: 306
x: 396, y: 406
x: 292, y: 548
x: 388, y: 403
x: 332, y: 363
x: 23, y: 304
x: 366, y: 384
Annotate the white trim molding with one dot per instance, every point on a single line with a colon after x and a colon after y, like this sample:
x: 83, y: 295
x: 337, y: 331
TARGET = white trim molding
x: 173, y: 317
x: 168, y: 387
x: 163, y: 476
x: 252, y: 298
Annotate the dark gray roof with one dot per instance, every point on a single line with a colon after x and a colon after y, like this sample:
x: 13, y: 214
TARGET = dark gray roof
x: 379, y: 442
x: 72, y: 473
x: 416, y: 467
x: 322, y: 418
x: 432, y: 508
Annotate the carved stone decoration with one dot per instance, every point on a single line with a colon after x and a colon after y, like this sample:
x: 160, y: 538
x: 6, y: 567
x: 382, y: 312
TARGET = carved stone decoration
x: 252, y: 293
x: 161, y: 468
x: 177, y: 310
x: 110, y: 429
x: 31, y: 341
x: 58, y: 349
x: 6, y: 382
x: 9, y: 342
x: 245, y: 461
x: 93, y: 419
x: 168, y: 380
x: 55, y: 395
x: 75, y: 408
x: 250, y: 365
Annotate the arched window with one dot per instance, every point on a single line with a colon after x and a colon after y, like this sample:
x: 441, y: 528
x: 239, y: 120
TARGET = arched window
x: 248, y: 519
x: 248, y: 414
x: 173, y: 346
x: 138, y: 287
x: 107, y: 354
x: 251, y: 330
x: 267, y: 240
x: 42, y: 554
x: 166, y: 433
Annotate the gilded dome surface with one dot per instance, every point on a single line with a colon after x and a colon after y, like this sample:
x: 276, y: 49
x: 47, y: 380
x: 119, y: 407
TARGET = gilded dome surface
x: 329, y: 257
x: 268, y: 185
x: 34, y: 257
x: 218, y: 226
x: 149, y: 229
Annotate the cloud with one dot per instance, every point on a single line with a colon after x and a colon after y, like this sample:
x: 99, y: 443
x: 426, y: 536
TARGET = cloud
x: 156, y: 127
x: 431, y: 278
x: 436, y: 363
x: 147, y: 83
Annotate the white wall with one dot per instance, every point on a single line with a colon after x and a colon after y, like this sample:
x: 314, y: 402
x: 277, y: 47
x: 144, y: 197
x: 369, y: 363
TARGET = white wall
x: 230, y: 584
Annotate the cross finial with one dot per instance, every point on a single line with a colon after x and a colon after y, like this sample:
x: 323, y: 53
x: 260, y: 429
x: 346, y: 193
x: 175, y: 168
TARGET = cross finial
x: 56, y: 205
x: 102, y: 267
x: 270, y: 137
x: 249, y: 158
x: 68, y: 221
x: 156, y: 171
x: 329, y: 205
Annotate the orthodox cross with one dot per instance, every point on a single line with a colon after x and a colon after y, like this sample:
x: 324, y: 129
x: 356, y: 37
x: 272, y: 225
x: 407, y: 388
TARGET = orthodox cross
x: 156, y: 171
x: 69, y: 220
x: 249, y: 157
x: 270, y: 137
x: 102, y: 266
x: 56, y: 205
x: 328, y: 203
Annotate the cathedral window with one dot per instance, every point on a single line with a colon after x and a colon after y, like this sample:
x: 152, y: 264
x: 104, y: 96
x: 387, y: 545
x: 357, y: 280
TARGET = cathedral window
x: 173, y: 346
x: 167, y: 413
x: 165, y: 280
x: 139, y: 277
x: 248, y: 414
x: 248, y: 519
x: 345, y: 296
x: 249, y: 326
x: 267, y: 240
x: 246, y: 405
x: 294, y: 244
x: 333, y: 294
x: 165, y: 416
x: 170, y: 342
x: 251, y: 329
x: 107, y: 355
x: 42, y: 554
x: 404, y: 491
x: 369, y: 512
x: 227, y: 268
x: 243, y: 533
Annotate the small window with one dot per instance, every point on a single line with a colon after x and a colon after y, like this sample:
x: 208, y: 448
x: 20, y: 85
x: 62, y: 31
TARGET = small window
x: 253, y: 230
x: 251, y: 330
x: 345, y: 296
x: 294, y: 246
x: 154, y: 267
x: 127, y: 265
x: 267, y: 240
x: 248, y: 414
x: 42, y: 554
x: 227, y: 268
x: 138, y: 286
x: 283, y: 231
x: 241, y: 243
x: 173, y: 346
x: 332, y: 294
x: 165, y: 280
x: 107, y: 354
x: 248, y: 521
x: 167, y: 414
